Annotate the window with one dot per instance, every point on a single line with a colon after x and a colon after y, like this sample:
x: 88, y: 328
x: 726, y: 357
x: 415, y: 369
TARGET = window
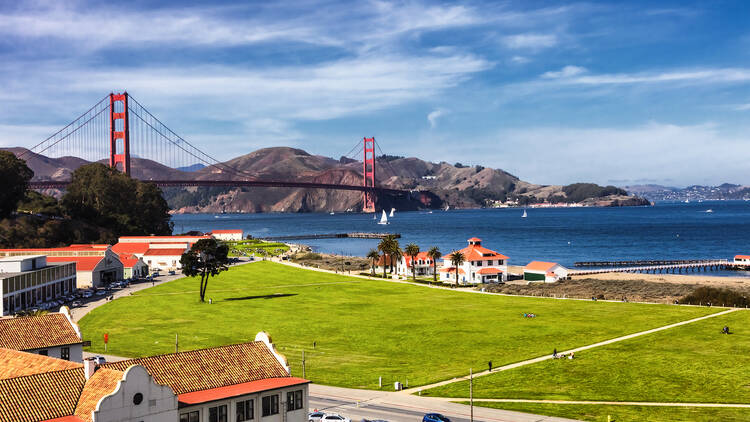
x: 293, y: 400
x: 479, y: 263
x: 44, y: 352
x: 190, y: 417
x: 65, y: 353
x: 490, y: 262
x: 245, y: 410
x: 270, y: 405
x: 217, y: 414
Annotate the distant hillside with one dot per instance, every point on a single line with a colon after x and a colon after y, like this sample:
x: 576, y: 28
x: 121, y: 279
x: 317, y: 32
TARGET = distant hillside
x: 725, y: 191
x: 452, y: 184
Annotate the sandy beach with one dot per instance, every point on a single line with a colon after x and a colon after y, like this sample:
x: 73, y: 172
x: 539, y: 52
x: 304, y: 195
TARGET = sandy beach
x: 737, y: 283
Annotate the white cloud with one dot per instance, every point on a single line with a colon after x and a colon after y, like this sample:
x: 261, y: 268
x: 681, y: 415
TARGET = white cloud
x: 519, y: 60
x: 530, y: 41
x: 565, y: 72
x: 742, y: 107
x: 434, y: 115
x: 716, y: 75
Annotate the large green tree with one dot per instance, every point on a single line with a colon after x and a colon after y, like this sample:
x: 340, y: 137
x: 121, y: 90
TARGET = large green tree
x: 434, y: 254
x: 108, y: 198
x: 206, y: 258
x: 457, y: 259
x: 373, y: 255
x: 412, y: 250
x: 15, y: 176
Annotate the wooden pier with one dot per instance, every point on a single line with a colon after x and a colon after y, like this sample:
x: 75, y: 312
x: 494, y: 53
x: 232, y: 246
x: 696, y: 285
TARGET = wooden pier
x: 642, y: 262
x: 354, y: 235
x: 676, y: 267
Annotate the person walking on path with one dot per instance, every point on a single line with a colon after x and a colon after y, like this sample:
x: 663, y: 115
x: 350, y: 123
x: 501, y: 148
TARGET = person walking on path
x: 554, y: 353
x: 490, y: 365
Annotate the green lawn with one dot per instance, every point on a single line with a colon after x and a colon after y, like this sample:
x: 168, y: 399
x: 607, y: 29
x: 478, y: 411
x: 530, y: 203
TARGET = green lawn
x: 599, y: 413
x: 363, y: 328
x: 252, y: 246
x: 691, y: 363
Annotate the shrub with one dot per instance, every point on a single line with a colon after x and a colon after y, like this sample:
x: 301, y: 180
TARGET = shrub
x: 718, y: 297
x: 311, y: 256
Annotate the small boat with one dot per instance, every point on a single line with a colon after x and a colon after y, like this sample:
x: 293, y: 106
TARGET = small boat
x: 687, y: 201
x: 383, y: 218
x: 709, y: 210
x: 524, y: 214
x: 331, y: 213
x: 392, y: 211
x: 447, y: 207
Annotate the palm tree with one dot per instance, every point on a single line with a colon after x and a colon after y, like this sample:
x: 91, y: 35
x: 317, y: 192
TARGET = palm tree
x: 412, y: 250
x: 434, y: 254
x: 373, y: 255
x: 385, y: 246
x: 396, y: 254
x: 457, y: 258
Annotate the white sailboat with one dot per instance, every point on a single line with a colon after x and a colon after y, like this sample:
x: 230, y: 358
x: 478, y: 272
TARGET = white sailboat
x: 392, y: 211
x: 447, y: 207
x: 524, y: 213
x: 383, y: 218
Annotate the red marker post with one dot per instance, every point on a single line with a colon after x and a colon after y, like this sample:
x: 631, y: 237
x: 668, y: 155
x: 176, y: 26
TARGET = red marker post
x: 106, y: 340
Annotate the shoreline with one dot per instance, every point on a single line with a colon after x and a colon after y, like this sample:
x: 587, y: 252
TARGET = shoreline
x: 696, y: 278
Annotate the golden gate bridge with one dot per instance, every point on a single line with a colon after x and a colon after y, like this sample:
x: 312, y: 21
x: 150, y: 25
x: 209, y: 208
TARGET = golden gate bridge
x: 118, y: 129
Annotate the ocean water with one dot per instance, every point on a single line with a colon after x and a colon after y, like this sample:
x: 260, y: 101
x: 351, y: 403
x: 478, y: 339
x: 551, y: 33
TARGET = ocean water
x: 564, y: 235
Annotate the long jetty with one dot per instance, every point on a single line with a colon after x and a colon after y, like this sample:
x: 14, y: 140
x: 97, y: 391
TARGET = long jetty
x: 638, y: 263
x: 677, y: 266
x: 354, y: 235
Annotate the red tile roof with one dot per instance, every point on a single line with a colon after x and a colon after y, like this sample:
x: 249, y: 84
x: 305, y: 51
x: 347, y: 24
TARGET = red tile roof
x: 37, y: 332
x: 18, y: 364
x: 41, y: 397
x: 176, y: 237
x: 383, y: 260
x: 539, y: 266
x: 420, y: 256
x: 239, y: 390
x: 742, y: 257
x: 102, y: 383
x: 128, y: 261
x: 165, y: 252
x: 489, y: 271
x: 477, y: 253
x: 83, y: 263
x: 474, y: 239
x: 130, y: 248
x: 206, y: 369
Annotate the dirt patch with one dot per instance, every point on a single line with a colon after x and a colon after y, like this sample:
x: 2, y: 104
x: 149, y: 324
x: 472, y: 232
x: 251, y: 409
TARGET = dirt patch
x: 345, y: 264
x: 633, y: 290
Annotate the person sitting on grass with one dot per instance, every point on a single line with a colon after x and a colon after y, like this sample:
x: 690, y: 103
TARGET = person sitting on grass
x: 725, y: 330
x: 571, y: 355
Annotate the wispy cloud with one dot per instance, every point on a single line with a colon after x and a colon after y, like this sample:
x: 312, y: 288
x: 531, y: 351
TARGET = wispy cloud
x: 716, y: 75
x: 565, y: 72
x: 530, y: 41
x: 434, y: 115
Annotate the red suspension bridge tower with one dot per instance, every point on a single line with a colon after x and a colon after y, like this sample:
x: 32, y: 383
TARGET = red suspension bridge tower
x: 369, y: 175
x: 119, y: 132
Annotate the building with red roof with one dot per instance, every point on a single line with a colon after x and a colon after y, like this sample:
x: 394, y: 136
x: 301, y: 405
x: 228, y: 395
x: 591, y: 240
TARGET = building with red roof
x: 548, y: 272
x: 422, y: 265
x: 96, y: 265
x: 240, y: 382
x: 481, y: 265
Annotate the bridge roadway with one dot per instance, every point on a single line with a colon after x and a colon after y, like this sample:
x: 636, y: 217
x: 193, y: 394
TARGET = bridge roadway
x: 708, y: 264
x: 52, y: 184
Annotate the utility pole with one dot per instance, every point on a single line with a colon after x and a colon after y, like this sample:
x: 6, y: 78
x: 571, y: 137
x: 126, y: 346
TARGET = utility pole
x: 176, y: 343
x: 471, y: 393
x: 303, y: 364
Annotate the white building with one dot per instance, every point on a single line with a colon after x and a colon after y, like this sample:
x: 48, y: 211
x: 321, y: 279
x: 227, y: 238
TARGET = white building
x: 165, y: 259
x: 548, y: 272
x: 422, y: 265
x: 227, y: 234
x: 481, y: 265
x: 241, y: 382
x: 53, y: 334
x: 26, y: 281
x: 742, y: 260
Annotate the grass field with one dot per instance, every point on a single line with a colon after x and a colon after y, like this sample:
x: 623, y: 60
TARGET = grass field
x: 363, y: 328
x: 599, y: 413
x: 691, y: 363
x: 252, y: 246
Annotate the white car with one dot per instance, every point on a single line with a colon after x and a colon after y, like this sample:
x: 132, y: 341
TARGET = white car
x: 332, y: 417
x: 315, y: 416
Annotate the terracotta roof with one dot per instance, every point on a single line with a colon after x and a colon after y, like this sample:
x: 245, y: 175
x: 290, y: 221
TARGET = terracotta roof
x: 742, y: 257
x: 477, y: 253
x: 165, y: 252
x: 176, y: 237
x: 238, y: 390
x: 452, y: 270
x: 226, y: 231
x: 420, y: 256
x: 37, y: 332
x: 205, y: 369
x: 474, y: 239
x: 383, y: 259
x: 102, y: 383
x: 71, y: 248
x: 539, y: 266
x: 130, y: 248
x: 41, y: 397
x: 83, y: 263
x: 129, y: 261
x: 489, y: 271
x: 15, y: 363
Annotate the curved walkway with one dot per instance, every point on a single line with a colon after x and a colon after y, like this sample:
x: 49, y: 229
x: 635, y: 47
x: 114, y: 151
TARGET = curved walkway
x: 577, y: 349
x: 615, y: 403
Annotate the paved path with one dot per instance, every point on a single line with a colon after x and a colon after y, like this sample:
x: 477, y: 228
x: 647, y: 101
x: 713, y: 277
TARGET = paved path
x: 357, y: 404
x: 577, y: 349
x: 616, y: 403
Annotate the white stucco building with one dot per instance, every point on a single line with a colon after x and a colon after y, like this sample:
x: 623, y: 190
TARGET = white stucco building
x: 481, y: 265
x: 227, y: 234
x: 548, y: 272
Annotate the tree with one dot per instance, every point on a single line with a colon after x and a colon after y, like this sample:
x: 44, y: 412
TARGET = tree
x: 412, y: 250
x: 206, y: 258
x: 457, y: 258
x: 106, y: 197
x: 388, y: 245
x: 373, y: 255
x: 434, y: 254
x: 15, y: 176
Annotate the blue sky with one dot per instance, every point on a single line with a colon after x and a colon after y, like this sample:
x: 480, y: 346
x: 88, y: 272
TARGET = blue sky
x: 553, y: 92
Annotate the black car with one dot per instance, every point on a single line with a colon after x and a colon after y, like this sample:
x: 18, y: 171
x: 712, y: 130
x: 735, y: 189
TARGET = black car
x: 435, y: 417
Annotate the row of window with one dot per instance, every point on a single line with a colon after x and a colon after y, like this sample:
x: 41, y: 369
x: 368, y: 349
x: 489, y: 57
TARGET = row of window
x: 31, y: 298
x: 64, y: 353
x: 490, y: 262
x: 245, y: 409
x: 35, y: 278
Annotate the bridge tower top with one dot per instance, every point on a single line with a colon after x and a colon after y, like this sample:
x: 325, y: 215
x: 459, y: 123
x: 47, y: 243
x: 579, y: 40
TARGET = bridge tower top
x: 119, y: 132
x: 369, y: 175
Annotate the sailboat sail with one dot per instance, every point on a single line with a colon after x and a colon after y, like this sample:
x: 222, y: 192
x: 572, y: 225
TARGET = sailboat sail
x: 524, y: 214
x: 392, y: 211
x: 383, y: 218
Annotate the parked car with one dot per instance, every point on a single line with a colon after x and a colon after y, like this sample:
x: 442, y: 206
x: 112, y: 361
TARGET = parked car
x: 87, y: 293
x: 77, y: 303
x: 99, y: 360
x: 435, y: 417
x: 332, y: 417
x: 172, y: 272
x: 101, y: 292
x: 315, y: 416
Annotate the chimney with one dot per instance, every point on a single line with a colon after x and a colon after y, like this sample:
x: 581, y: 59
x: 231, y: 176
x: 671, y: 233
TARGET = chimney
x: 89, y: 367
